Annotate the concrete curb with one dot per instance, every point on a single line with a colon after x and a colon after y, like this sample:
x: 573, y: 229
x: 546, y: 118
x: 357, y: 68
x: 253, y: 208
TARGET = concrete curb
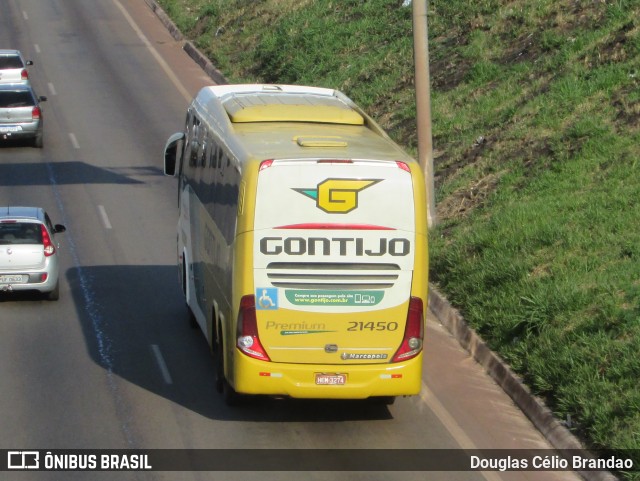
x: 188, y: 46
x: 534, y: 408
x: 205, y: 63
x: 164, y: 18
x: 539, y: 414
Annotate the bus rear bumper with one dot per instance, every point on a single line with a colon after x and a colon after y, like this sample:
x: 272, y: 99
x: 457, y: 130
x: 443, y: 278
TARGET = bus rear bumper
x: 355, y: 381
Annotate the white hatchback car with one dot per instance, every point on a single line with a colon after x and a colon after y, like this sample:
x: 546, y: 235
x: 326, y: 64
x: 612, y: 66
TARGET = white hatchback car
x: 21, y: 115
x: 28, y: 251
x: 13, y: 67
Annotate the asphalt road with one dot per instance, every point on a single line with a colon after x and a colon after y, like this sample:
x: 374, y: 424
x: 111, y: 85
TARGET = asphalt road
x: 113, y: 364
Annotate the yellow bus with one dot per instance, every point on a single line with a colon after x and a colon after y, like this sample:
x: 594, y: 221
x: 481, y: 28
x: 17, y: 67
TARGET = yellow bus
x: 301, y: 244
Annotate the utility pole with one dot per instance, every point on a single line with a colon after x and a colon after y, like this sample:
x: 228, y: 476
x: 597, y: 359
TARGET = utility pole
x: 423, y: 102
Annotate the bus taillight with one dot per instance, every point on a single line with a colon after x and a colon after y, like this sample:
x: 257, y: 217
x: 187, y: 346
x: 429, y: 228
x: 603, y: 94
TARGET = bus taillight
x: 247, y: 340
x: 265, y: 164
x: 413, y: 332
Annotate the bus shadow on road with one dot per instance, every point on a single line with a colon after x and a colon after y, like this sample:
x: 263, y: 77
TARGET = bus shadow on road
x: 136, y: 326
x: 66, y: 173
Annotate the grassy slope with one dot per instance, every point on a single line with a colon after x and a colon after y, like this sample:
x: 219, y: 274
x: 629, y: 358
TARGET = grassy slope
x: 536, y: 111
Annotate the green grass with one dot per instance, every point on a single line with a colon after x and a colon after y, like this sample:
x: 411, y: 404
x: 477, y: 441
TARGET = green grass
x: 538, y: 241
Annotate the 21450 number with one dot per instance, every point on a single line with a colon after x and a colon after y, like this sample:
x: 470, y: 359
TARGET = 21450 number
x: 372, y: 326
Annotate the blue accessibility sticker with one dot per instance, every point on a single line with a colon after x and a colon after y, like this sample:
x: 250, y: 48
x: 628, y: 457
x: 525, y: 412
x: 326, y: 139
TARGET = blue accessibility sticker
x: 266, y: 298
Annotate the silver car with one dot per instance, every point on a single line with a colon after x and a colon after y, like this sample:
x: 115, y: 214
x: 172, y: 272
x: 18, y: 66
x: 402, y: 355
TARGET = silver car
x: 21, y: 114
x: 13, y: 67
x: 29, y: 251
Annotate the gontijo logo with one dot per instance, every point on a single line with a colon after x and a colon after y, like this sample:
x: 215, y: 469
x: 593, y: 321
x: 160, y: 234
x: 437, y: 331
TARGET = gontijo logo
x: 338, y: 196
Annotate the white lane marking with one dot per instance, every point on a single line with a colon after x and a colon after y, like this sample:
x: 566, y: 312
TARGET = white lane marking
x: 163, y: 365
x: 429, y: 398
x: 37, y: 48
x: 92, y: 308
x: 104, y: 216
x: 52, y: 89
x: 154, y: 52
x: 74, y: 141
x: 24, y: 15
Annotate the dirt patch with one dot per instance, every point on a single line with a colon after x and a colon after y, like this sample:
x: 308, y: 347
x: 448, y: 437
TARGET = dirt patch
x: 617, y: 49
x: 524, y: 49
x: 628, y: 111
x: 449, y: 69
x: 447, y: 74
x: 462, y: 202
x: 201, y: 27
x: 469, y: 156
x: 577, y: 14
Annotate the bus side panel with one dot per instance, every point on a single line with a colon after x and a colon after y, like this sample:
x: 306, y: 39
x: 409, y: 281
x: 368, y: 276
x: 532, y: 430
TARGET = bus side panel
x: 420, y: 284
x: 188, y: 233
x: 209, y: 204
x: 242, y: 272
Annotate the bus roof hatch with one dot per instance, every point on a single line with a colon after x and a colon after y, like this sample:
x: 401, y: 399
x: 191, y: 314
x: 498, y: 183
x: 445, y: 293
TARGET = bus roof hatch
x: 289, y: 107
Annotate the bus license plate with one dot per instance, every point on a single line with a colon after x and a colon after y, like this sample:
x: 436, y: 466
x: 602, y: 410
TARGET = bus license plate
x: 331, y: 379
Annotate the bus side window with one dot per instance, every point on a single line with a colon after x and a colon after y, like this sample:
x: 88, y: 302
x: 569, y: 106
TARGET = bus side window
x: 202, y: 147
x: 223, y: 159
x: 228, y: 218
x: 193, y: 134
x: 218, y: 157
x: 211, y: 154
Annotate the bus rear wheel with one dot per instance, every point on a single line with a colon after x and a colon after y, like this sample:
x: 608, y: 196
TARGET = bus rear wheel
x: 192, y: 318
x: 229, y: 395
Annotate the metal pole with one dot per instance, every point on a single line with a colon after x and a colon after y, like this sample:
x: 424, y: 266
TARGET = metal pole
x: 423, y: 102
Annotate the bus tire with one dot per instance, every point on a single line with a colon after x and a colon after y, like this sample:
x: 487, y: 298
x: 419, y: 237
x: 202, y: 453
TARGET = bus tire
x: 220, y: 380
x: 193, y: 324
x: 192, y: 318
x: 229, y: 395
x: 215, y: 342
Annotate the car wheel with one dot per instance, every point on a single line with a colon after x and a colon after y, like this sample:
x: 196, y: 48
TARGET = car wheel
x: 38, y: 141
x: 54, y: 295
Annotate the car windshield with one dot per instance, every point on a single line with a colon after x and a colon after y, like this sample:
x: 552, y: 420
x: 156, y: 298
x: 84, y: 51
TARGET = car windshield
x: 15, y: 98
x: 10, y: 61
x: 20, y: 233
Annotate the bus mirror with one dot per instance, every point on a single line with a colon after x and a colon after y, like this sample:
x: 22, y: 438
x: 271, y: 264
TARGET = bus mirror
x: 172, y: 154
